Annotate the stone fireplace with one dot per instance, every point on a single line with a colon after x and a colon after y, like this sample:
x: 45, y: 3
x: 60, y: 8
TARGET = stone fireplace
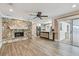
x: 18, y: 33
x: 14, y: 30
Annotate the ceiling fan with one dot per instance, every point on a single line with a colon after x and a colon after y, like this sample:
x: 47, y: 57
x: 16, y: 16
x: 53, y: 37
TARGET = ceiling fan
x: 38, y: 15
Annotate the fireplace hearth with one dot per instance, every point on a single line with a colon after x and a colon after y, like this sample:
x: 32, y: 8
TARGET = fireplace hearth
x: 19, y: 34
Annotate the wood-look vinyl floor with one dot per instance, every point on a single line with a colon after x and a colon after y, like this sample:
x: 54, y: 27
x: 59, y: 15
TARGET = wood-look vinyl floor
x: 38, y: 47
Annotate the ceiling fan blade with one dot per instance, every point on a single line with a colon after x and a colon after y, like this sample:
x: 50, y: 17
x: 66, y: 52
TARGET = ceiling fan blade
x: 44, y: 16
x: 34, y: 17
x: 40, y: 18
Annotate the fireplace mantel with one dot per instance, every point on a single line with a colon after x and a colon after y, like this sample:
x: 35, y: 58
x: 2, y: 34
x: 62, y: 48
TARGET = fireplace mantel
x: 16, y: 27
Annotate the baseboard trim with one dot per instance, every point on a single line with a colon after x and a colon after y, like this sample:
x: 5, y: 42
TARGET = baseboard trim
x: 10, y: 41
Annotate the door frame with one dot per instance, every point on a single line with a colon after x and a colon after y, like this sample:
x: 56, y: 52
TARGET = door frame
x: 71, y: 30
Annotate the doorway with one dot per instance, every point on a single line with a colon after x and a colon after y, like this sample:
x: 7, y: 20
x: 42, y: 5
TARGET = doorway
x: 69, y: 31
x: 65, y: 31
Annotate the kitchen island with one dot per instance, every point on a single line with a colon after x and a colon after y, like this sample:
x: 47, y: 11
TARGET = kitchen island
x: 44, y: 35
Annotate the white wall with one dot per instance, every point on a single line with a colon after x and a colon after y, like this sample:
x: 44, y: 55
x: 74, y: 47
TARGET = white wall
x: 0, y: 33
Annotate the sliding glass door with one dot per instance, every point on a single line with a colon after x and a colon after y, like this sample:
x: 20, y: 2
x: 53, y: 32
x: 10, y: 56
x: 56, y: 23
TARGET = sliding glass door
x: 69, y: 31
x: 76, y: 32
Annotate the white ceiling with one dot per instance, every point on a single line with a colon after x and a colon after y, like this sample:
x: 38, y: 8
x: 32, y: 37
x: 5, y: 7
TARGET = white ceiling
x: 22, y: 10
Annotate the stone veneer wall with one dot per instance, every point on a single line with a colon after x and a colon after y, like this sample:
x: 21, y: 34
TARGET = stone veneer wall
x: 7, y: 31
x: 34, y: 29
x: 0, y: 32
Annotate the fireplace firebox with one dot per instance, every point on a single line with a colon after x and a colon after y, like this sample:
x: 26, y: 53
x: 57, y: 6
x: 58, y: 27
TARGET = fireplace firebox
x: 19, y: 34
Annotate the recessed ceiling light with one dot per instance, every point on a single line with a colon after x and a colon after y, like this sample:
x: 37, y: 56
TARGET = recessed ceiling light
x: 73, y: 6
x: 10, y: 10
